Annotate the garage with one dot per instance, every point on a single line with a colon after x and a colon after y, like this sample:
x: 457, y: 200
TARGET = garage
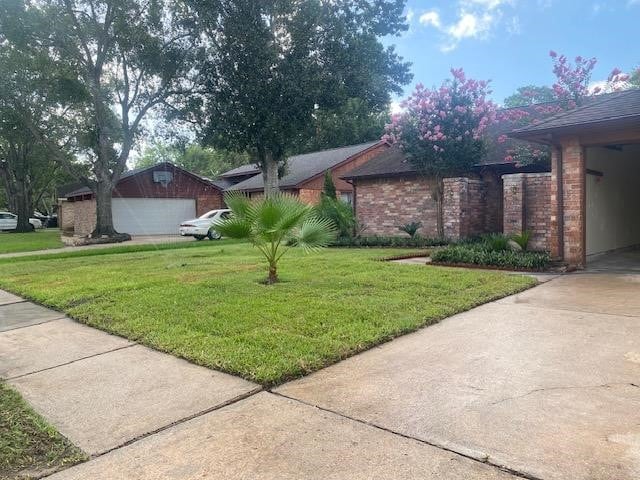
x: 151, y: 216
x: 612, y: 198
x: 148, y: 201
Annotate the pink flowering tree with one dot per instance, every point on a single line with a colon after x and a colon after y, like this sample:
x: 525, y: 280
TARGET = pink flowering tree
x: 570, y: 90
x: 441, y: 129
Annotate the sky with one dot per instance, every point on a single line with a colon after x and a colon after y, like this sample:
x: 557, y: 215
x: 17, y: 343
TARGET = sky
x: 508, y: 41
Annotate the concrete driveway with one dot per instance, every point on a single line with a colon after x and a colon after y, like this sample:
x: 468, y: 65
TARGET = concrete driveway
x: 545, y: 383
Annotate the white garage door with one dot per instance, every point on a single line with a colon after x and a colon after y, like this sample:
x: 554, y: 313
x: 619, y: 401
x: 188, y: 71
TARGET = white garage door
x: 151, y: 216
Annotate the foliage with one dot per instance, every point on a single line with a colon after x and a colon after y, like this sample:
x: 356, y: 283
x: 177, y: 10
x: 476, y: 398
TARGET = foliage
x: 479, y: 254
x: 384, y: 241
x: 570, y: 90
x: 529, y: 95
x: 351, y: 123
x: 275, y: 64
x: 495, y: 242
x: 28, y: 444
x: 204, y: 161
x: 329, y: 188
x: 122, y: 58
x: 273, y: 223
x: 203, y: 304
x: 441, y: 129
x: 411, y: 228
x: 339, y: 213
x: 522, y: 239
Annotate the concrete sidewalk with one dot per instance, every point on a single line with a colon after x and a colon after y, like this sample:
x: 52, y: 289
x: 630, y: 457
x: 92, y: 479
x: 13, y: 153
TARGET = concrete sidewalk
x: 141, y: 414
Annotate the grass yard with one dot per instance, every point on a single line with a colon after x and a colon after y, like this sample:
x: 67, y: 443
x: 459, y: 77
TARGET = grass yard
x: 207, y: 305
x: 29, y: 242
x: 28, y: 445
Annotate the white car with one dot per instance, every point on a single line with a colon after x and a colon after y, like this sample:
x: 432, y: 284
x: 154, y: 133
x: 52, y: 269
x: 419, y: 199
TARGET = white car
x: 202, y: 227
x: 9, y: 221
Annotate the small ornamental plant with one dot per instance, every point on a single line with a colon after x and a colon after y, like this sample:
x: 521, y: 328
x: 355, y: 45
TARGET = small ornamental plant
x: 274, y: 225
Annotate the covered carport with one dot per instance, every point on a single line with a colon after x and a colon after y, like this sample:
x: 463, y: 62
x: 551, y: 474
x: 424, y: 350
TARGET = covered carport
x: 595, y: 181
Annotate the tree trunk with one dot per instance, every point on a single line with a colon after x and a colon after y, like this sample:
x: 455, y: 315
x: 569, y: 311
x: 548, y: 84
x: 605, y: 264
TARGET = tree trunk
x: 270, y: 175
x: 24, y: 207
x: 104, y: 216
x: 273, y: 274
x: 439, y: 197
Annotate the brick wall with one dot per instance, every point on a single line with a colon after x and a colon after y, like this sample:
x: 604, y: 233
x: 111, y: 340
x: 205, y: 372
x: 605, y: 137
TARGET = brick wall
x: 527, y: 207
x: 384, y: 204
x: 206, y: 202
x: 574, y: 194
x: 78, y: 218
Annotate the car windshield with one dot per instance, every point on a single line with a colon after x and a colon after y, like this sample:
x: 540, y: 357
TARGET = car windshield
x: 210, y: 214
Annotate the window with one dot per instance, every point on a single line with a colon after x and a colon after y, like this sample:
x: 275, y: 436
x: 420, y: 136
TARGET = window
x: 347, y: 197
x: 225, y: 215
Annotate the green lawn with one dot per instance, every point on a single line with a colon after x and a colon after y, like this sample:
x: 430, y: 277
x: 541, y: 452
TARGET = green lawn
x: 207, y: 304
x: 28, y: 445
x: 28, y: 242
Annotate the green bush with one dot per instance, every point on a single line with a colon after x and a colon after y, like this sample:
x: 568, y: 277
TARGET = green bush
x: 411, y: 229
x: 522, y: 239
x: 381, y: 241
x: 340, y: 213
x: 480, y: 254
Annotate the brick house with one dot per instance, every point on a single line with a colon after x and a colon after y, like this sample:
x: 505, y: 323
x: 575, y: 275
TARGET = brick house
x: 390, y: 192
x: 304, y: 174
x: 590, y: 200
x: 148, y: 201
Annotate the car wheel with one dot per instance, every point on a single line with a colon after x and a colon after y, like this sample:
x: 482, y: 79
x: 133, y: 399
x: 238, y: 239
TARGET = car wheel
x: 199, y: 237
x: 213, y: 235
x: 32, y: 227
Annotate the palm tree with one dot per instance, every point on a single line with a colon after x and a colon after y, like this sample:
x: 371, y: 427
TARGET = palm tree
x: 274, y: 225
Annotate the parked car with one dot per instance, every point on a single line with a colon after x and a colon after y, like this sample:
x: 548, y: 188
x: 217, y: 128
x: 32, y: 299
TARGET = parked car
x: 9, y: 221
x: 202, y: 227
x: 43, y: 218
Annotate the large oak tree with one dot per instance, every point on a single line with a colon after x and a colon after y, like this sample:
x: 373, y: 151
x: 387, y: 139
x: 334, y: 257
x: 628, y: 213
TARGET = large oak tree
x: 128, y: 58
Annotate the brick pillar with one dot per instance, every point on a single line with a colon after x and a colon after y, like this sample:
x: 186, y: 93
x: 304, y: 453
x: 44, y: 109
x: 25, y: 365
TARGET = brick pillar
x: 555, y: 224
x: 455, y: 201
x: 574, y: 202
x: 514, y: 204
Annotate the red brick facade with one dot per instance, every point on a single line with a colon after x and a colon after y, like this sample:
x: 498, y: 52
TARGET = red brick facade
x: 527, y: 203
x: 471, y: 205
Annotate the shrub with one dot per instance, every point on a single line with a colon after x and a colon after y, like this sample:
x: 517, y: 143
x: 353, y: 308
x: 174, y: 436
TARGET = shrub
x: 382, y: 241
x: 495, y: 242
x: 522, y: 239
x: 480, y: 254
x: 339, y: 213
x: 410, y: 228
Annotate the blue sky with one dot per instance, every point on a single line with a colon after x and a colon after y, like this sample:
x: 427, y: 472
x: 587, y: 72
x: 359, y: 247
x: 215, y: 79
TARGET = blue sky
x: 508, y: 41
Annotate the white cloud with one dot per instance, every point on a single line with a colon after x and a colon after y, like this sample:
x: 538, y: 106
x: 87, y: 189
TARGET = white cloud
x: 431, y: 18
x: 473, y: 19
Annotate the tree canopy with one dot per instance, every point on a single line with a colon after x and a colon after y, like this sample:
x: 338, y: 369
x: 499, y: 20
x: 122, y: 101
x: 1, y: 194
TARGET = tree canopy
x: 529, y: 95
x: 276, y: 63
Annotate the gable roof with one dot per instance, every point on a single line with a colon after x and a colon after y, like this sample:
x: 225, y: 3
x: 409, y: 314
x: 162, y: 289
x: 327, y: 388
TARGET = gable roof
x: 301, y: 168
x: 603, y: 108
x: 220, y: 185
x: 242, y: 170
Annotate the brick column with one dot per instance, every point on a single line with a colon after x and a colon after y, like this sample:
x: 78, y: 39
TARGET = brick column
x: 574, y: 202
x: 454, y: 204
x: 555, y: 224
x: 514, y: 206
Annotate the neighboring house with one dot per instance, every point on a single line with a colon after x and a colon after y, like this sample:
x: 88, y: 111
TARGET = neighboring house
x: 304, y: 174
x: 594, y: 194
x: 149, y: 201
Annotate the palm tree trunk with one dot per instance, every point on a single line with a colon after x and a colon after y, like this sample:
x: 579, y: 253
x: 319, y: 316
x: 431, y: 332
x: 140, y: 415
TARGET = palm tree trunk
x: 273, y: 274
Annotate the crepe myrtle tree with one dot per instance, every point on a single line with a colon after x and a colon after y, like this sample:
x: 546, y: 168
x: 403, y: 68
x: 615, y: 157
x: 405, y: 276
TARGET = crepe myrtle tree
x: 441, y: 129
x: 570, y: 90
x: 274, y: 225
x: 128, y: 58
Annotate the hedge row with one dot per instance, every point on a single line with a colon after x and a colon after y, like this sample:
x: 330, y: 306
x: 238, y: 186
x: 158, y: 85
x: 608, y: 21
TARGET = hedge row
x: 380, y: 241
x: 479, y: 255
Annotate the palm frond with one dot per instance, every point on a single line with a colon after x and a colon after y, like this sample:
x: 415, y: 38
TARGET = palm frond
x: 235, y: 227
x: 239, y: 203
x: 315, y: 233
